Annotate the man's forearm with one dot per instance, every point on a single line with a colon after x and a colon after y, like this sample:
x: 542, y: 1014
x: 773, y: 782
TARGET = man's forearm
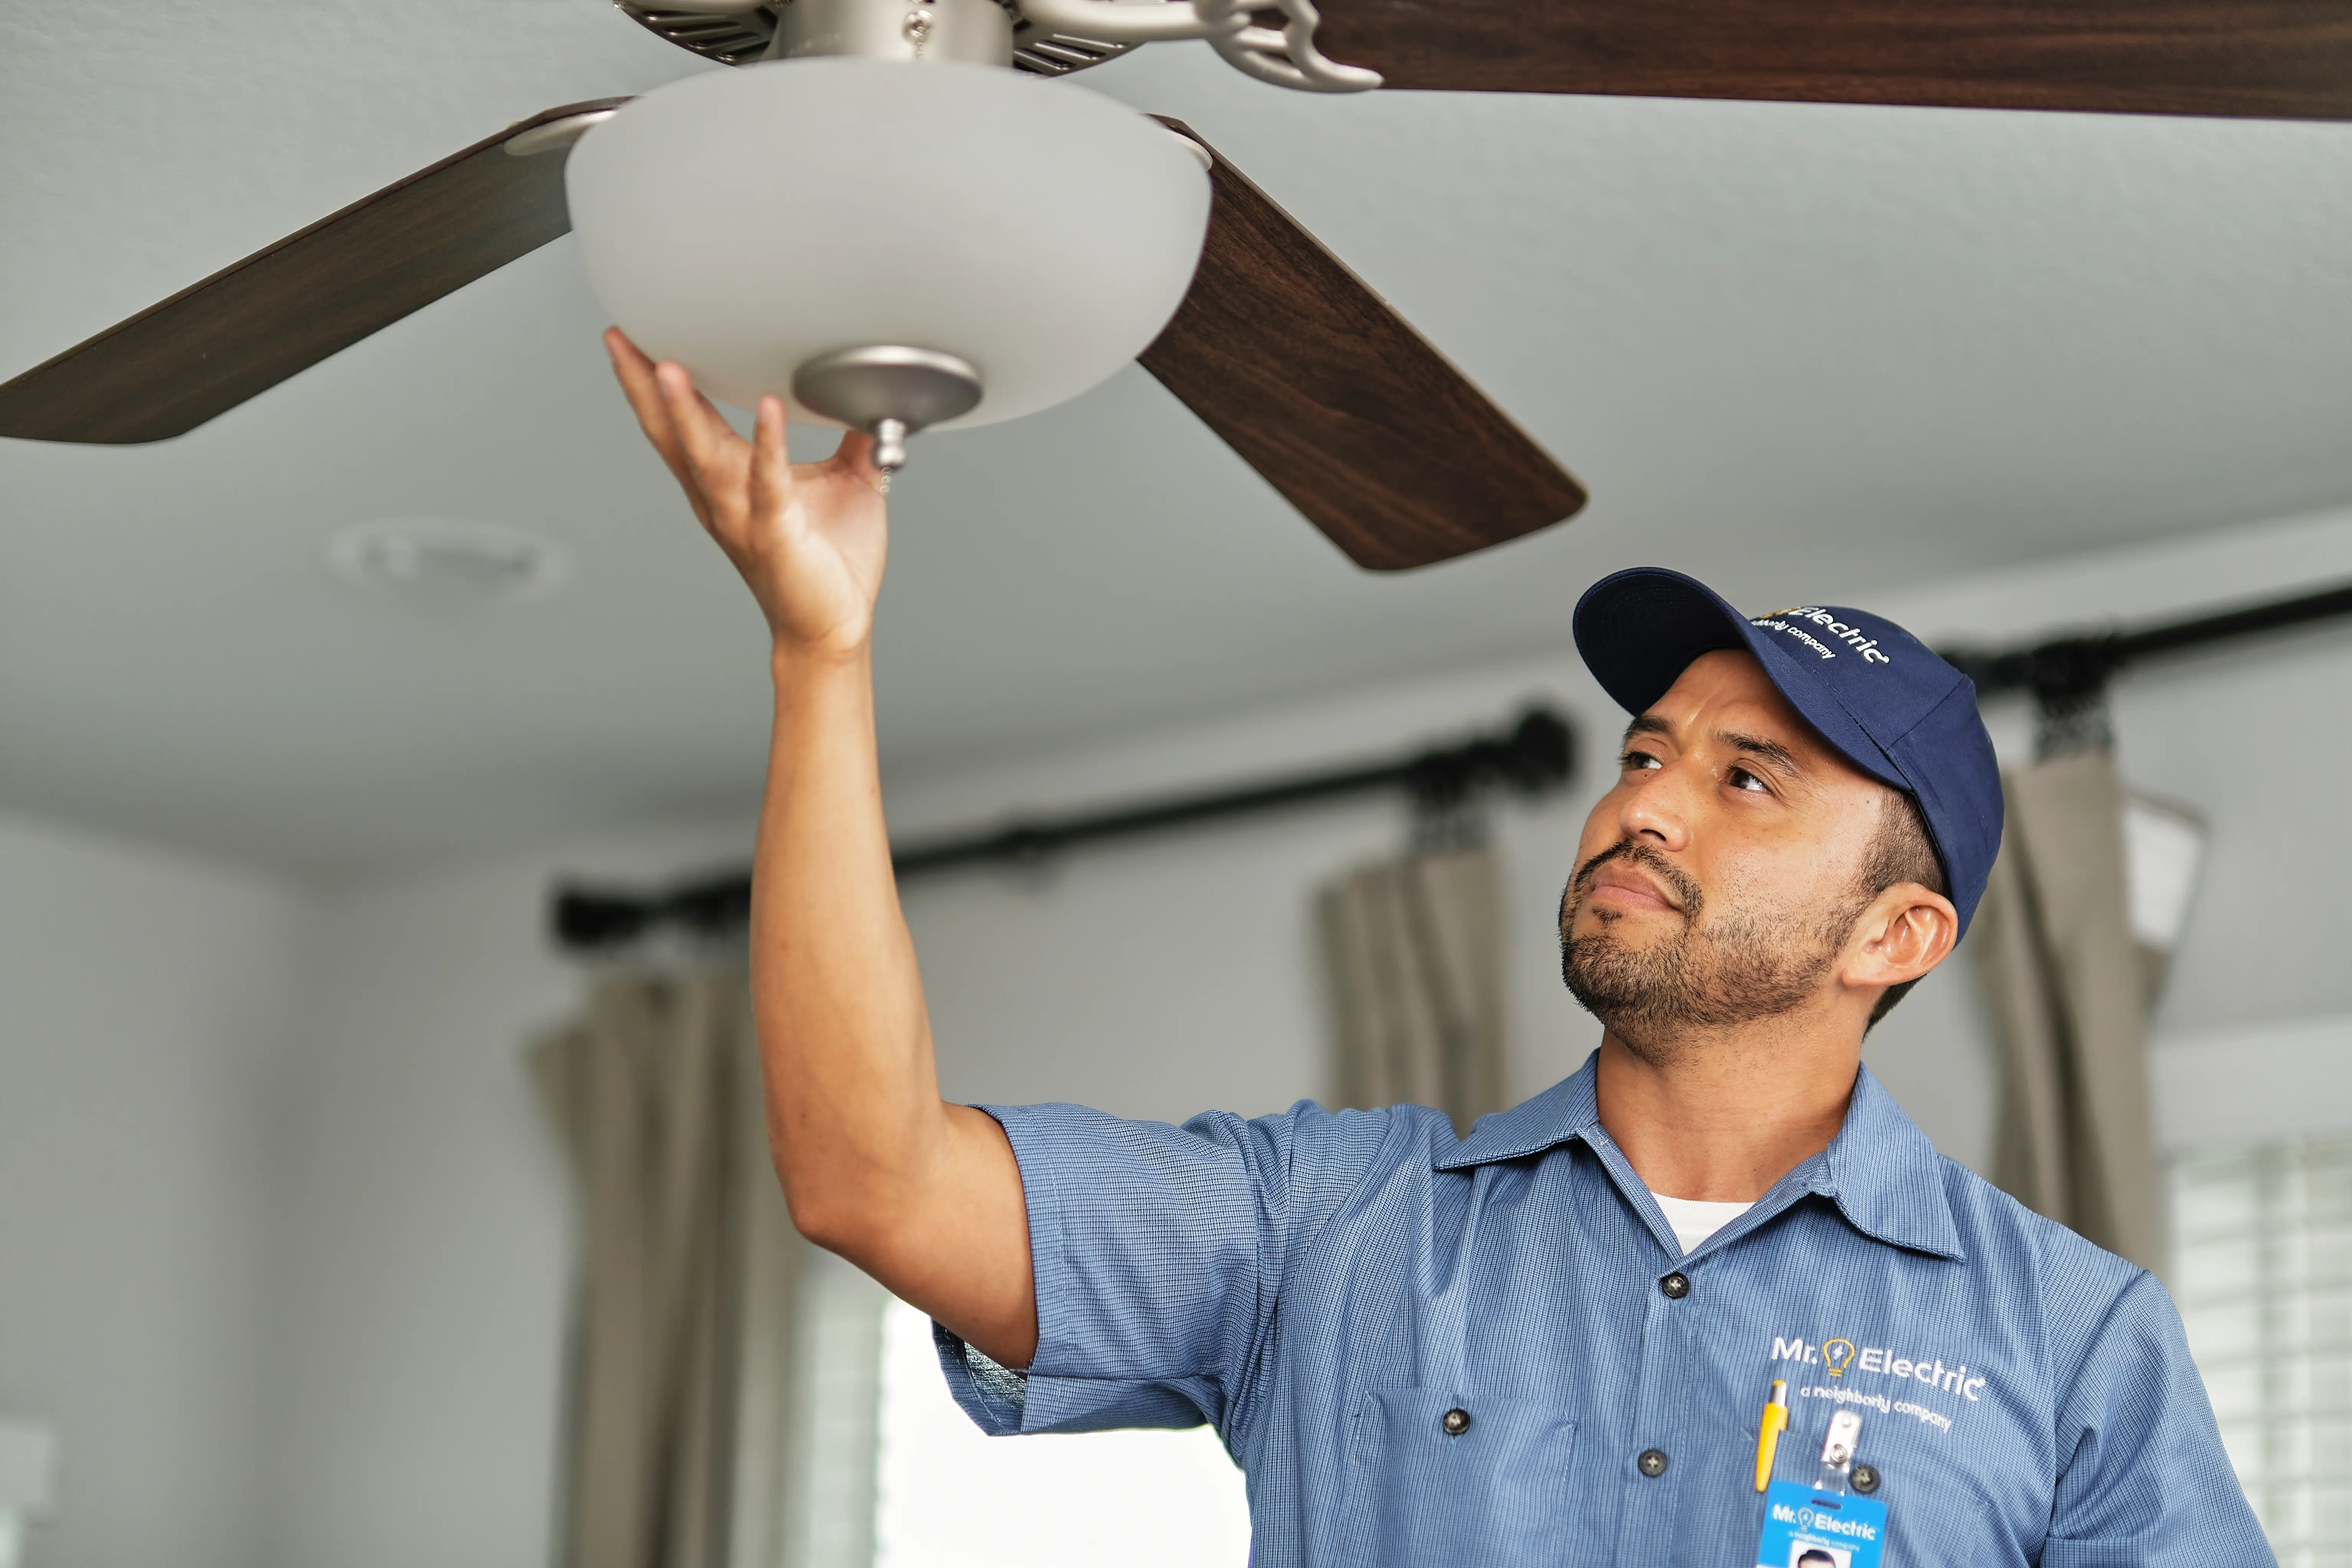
x: 852, y: 1087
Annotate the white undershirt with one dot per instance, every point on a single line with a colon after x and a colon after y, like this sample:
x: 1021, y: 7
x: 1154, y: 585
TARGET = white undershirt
x: 1695, y: 1219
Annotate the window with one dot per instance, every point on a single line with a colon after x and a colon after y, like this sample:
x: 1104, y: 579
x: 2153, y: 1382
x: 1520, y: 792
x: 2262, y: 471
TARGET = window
x: 948, y: 1494
x: 2262, y: 1271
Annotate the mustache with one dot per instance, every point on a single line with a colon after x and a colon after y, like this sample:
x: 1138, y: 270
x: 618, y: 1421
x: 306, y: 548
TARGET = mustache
x: 1633, y: 853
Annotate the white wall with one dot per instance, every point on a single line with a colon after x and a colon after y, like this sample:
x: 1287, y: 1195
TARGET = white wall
x: 428, y: 1251
x: 144, y: 1019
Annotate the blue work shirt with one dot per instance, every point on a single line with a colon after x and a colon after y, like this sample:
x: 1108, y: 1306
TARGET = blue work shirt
x: 1325, y: 1288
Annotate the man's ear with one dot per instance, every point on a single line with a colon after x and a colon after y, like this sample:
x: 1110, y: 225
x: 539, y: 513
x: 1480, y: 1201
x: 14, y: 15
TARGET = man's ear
x: 1906, y: 932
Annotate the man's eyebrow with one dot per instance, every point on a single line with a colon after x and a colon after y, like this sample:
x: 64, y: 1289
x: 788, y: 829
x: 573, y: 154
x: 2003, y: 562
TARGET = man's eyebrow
x: 1647, y: 724
x: 1757, y: 745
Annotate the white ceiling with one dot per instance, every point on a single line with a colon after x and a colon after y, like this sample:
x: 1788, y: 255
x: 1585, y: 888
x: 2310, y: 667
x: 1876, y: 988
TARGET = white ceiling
x: 1804, y: 350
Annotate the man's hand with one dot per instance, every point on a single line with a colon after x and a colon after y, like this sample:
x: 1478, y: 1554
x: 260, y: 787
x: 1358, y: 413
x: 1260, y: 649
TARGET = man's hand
x: 809, y: 538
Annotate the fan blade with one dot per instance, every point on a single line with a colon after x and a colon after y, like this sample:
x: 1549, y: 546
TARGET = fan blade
x: 2285, y: 59
x: 243, y: 330
x: 1339, y: 402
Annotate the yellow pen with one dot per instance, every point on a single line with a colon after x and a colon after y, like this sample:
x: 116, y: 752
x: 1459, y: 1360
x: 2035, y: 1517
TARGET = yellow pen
x: 1768, y: 1430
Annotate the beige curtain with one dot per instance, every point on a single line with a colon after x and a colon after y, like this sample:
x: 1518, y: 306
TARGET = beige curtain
x: 1412, y: 950
x: 2069, y: 987
x: 656, y: 1091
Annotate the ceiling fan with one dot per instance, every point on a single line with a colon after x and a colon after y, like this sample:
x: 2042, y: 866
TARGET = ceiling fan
x: 1272, y: 342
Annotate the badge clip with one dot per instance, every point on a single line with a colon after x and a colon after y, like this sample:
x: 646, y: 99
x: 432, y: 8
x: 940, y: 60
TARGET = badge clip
x: 1837, y: 1452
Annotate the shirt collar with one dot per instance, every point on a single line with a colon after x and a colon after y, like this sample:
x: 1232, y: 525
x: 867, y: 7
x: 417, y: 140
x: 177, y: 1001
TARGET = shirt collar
x: 1880, y: 1170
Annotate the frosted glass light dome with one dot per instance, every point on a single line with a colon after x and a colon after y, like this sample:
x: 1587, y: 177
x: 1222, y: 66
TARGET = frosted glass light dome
x: 749, y: 221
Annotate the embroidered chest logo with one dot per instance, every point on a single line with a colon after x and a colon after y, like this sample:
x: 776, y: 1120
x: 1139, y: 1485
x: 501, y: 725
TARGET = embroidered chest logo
x: 1853, y: 1373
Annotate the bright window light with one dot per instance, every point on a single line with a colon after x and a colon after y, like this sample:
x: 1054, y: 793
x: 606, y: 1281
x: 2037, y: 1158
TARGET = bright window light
x: 2262, y: 1265
x: 948, y: 1494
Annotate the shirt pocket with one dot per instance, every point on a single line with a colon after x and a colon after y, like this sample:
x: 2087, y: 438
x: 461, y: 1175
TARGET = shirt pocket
x: 1457, y: 1475
x: 1944, y: 1525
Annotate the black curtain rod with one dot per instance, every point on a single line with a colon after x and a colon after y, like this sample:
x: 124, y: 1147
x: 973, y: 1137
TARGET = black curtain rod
x: 2069, y: 668
x: 1538, y: 754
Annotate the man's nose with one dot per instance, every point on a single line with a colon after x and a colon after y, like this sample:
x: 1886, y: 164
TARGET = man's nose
x: 1656, y: 812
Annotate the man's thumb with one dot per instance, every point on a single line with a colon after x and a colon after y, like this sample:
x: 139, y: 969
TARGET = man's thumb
x: 856, y: 453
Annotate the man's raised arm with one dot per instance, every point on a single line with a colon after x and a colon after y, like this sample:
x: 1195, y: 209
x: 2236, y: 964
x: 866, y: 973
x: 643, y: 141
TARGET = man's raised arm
x: 921, y: 1194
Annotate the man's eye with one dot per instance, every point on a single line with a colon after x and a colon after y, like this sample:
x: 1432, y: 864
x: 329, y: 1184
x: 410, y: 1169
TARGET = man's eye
x: 1634, y: 761
x: 1742, y: 779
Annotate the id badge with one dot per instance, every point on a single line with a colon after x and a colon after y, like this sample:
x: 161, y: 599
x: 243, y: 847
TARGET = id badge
x: 1805, y: 1527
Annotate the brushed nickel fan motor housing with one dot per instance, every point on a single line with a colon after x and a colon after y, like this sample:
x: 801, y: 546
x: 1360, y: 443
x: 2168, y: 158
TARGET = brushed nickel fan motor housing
x: 743, y: 34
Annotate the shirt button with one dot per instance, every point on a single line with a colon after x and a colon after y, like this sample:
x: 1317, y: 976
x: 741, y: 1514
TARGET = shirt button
x: 1455, y: 1422
x: 1676, y: 1285
x: 1653, y: 1463
x: 1866, y: 1479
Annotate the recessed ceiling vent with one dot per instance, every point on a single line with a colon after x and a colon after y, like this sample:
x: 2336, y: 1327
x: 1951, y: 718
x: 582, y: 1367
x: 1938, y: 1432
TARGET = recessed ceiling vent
x: 448, y: 561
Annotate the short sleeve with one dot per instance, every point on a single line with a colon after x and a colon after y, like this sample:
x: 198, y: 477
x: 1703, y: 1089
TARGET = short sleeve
x: 2143, y: 1479
x: 1158, y: 1254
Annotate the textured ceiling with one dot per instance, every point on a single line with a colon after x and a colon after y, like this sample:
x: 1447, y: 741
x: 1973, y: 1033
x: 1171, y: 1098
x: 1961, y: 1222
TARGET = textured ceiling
x: 1804, y: 350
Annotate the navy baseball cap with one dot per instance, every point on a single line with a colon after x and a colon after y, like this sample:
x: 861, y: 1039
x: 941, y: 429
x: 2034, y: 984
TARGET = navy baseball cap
x: 1879, y: 695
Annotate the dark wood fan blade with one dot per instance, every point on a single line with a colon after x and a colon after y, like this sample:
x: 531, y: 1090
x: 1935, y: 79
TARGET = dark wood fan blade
x: 1339, y: 402
x: 2285, y: 59
x: 243, y: 330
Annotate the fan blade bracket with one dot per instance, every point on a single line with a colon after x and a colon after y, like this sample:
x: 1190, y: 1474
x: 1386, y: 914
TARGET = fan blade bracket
x: 1125, y: 22
x: 556, y: 135
x: 1286, y: 57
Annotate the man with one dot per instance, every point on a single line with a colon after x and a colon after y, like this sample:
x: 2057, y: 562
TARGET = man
x: 1549, y: 1342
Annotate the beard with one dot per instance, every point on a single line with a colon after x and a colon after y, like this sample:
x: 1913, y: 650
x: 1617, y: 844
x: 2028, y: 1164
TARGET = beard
x: 1742, y: 965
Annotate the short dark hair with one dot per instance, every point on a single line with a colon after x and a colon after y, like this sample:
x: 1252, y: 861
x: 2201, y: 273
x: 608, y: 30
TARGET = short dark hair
x: 1815, y: 1554
x: 1901, y: 853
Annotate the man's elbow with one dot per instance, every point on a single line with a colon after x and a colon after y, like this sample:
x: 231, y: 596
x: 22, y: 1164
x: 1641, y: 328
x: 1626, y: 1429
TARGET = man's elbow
x: 820, y: 1216
x: 834, y: 1217
x: 848, y: 1194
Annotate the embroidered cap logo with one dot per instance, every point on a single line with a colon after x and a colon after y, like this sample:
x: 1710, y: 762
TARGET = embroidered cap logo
x: 1853, y: 638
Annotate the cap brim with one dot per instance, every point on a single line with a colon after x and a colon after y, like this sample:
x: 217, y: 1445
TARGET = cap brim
x: 1640, y: 629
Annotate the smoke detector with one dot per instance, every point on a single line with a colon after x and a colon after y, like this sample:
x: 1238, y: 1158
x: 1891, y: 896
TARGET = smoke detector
x: 448, y: 561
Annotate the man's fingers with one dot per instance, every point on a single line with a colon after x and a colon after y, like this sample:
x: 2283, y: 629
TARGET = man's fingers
x: 624, y: 351
x: 636, y: 373
x: 772, y: 475
x: 855, y: 456
x: 701, y: 446
x: 627, y: 358
x: 712, y: 419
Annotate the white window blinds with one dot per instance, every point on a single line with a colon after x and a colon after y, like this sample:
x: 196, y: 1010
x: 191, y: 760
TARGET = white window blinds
x: 2262, y: 1267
